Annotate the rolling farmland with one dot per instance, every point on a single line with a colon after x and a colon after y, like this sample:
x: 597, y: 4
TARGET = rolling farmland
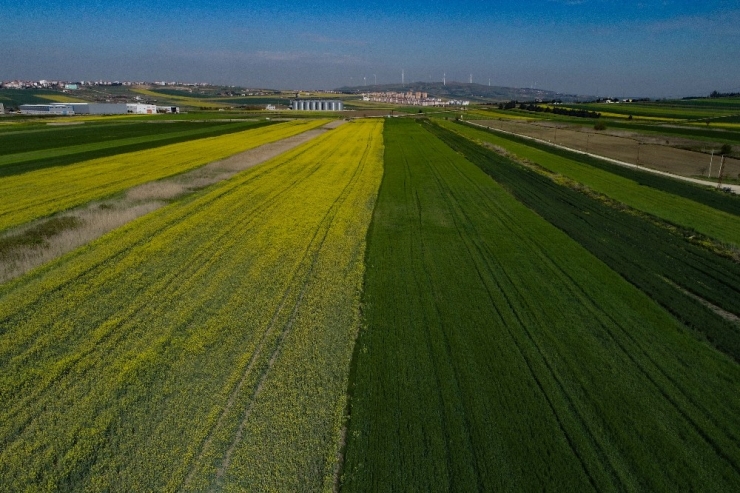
x: 39, y: 193
x: 204, y: 346
x: 499, y: 354
x: 393, y: 305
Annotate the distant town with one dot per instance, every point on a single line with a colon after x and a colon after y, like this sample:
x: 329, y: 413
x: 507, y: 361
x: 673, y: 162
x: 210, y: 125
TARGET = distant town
x: 411, y: 98
x: 68, y: 85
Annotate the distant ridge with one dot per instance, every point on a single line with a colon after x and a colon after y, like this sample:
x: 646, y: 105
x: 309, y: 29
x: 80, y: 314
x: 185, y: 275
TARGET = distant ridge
x: 472, y: 92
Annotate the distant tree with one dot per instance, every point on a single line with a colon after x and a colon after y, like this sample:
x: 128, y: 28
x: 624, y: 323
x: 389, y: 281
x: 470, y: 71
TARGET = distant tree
x: 600, y: 126
x: 726, y: 149
x: 629, y: 117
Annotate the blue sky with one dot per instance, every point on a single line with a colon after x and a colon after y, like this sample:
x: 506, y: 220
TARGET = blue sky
x: 600, y: 47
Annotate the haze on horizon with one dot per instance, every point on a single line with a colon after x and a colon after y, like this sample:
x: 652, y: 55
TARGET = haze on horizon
x: 599, y: 47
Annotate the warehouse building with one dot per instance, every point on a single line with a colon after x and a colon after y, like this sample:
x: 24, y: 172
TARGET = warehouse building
x: 317, y: 105
x: 73, y: 109
x: 142, y: 109
x: 46, y: 109
x: 98, y: 108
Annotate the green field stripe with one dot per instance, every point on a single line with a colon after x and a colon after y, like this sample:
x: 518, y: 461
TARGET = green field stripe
x: 27, y: 161
x: 707, y: 211
x: 642, y: 252
x: 556, y: 373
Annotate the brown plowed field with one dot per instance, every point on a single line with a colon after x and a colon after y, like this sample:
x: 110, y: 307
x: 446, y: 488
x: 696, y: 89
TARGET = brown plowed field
x: 654, y: 151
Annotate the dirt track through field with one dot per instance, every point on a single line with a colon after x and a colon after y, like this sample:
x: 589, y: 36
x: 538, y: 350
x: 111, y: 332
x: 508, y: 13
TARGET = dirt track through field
x: 101, y: 217
x: 650, y: 151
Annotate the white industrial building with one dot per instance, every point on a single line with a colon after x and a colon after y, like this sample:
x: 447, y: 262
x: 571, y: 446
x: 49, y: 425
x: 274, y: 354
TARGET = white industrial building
x: 73, y: 109
x: 46, y: 109
x: 142, y: 109
x: 98, y: 108
x: 317, y: 105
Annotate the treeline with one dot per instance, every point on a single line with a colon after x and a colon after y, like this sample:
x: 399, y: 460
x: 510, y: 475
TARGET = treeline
x: 716, y: 94
x: 548, y: 109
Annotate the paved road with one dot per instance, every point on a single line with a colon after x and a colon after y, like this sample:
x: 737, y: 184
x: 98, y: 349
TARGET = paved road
x: 733, y: 188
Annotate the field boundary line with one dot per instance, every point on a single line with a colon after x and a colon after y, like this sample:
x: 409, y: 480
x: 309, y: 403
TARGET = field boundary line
x: 733, y: 188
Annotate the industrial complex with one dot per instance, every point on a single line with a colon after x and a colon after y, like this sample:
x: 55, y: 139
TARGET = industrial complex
x: 317, y: 105
x: 95, y: 109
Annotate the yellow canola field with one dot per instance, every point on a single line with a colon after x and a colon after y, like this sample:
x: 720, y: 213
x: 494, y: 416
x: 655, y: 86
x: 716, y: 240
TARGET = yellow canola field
x: 204, y: 347
x: 37, y: 194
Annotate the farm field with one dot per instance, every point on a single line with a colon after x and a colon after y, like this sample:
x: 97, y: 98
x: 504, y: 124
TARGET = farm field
x: 669, y: 110
x: 15, y: 97
x: 658, y: 260
x: 43, y: 192
x: 36, y: 148
x: 205, y: 346
x: 499, y: 354
x: 707, y: 211
x: 657, y: 152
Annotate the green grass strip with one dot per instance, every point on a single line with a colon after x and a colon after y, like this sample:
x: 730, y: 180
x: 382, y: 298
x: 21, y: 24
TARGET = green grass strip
x: 499, y: 355
x: 708, y: 211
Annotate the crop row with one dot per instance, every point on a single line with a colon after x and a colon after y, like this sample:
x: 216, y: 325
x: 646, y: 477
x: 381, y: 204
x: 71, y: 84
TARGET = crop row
x: 205, y: 345
x: 499, y: 355
x: 708, y: 211
x: 35, y: 149
x: 47, y: 191
x: 663, y: 264
x: 660, y: 110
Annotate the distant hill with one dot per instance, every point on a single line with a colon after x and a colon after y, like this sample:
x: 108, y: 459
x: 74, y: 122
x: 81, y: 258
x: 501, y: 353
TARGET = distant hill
x: 472, y: 92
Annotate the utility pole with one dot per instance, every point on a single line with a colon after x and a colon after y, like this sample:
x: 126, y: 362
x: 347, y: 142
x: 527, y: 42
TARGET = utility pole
x: 709, y: 173
x: 444, y: 78
x: 721, y: 169
x: 376, y: 79
x: 638, y: 153
x: 402, y: 78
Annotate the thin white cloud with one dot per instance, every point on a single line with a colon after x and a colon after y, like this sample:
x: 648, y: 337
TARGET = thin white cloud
x: 726, y: 24
x: 319, y: 38
x: 236, y: 56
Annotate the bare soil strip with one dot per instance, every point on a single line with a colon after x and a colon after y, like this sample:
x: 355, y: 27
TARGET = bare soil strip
x: 652, y: 159
x: 668, y: 153
x: 99, y: 218
x: 730, y: 317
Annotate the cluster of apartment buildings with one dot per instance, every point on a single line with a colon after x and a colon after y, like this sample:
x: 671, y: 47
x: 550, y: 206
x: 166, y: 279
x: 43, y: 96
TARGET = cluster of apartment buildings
x: 410, y: 98
x: 74, y: 85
